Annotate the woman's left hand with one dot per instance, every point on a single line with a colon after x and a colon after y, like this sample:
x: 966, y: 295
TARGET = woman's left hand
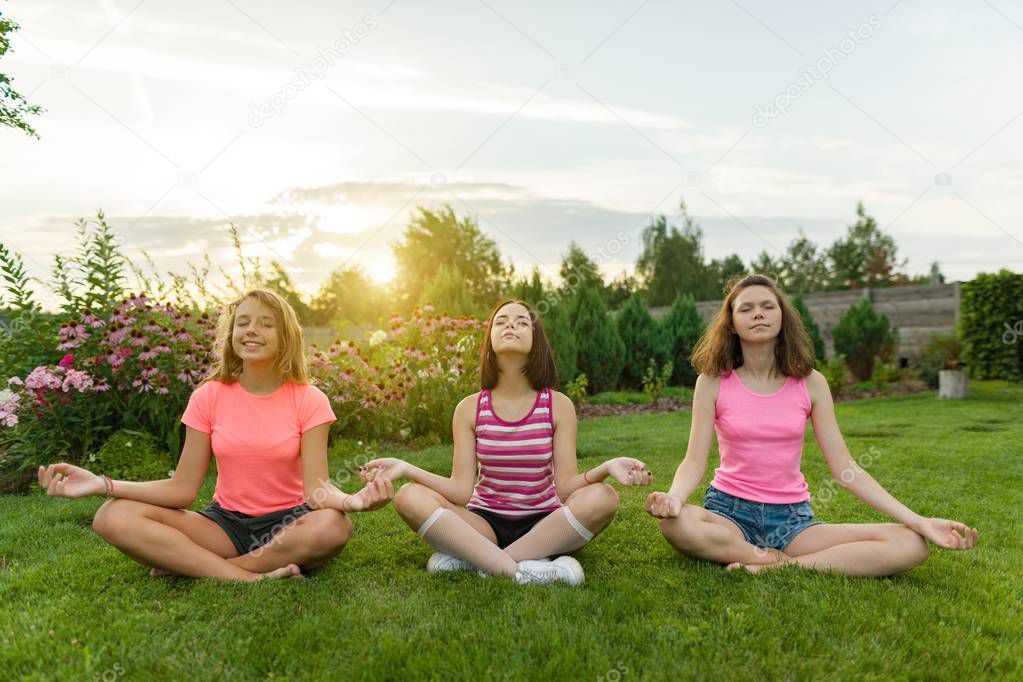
x: 947, y: 534
x: 390, y: 468
x: 629, y: 471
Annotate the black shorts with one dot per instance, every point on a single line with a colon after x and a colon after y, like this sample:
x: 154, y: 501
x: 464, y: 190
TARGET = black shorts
x: 252, y: 532
x: 509, y: 529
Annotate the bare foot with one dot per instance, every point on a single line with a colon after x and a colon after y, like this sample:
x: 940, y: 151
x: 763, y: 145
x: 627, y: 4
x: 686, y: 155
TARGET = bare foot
x: 160, y: 573
x: 775, y: 559
x: 289, y: 571
x: 757, y: 568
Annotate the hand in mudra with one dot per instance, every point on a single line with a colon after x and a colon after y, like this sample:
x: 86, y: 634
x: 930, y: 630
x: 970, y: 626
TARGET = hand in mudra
x: 948, y: 534
x: 67, y: 480
x: 390, y: 468
x: 663, y: 505
x: 629, y: 471
x: 373, y: 496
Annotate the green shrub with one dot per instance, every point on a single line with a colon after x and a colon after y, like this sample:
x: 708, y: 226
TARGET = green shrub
x: 26, y: 333
x: 449, y: 291
x: 600, y: 351
x: 131, y: 456
x: 811, y: 327
x: 655, y: 381
x: 643, y: 341
x: 885, y: 373
x: 619, y: 398
x: 834, y: 371
x: 991, y: 319
x: 576, y: 389
x: 557, y: 323
x: 861, y: 335
x: 681, y: 329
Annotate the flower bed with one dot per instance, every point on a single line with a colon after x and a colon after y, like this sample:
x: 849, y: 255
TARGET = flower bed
x: 136, y: 367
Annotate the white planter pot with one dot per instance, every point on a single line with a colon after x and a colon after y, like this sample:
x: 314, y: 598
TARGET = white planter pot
x: 952, y: 384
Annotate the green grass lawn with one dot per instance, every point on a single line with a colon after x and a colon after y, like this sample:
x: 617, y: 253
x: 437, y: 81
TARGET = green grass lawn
x: 72, y: 607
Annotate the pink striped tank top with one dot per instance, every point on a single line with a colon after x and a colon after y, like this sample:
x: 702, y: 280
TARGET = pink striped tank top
x: 516, y: 460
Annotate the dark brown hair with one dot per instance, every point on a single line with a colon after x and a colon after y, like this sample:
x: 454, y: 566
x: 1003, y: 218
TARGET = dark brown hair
x: 540, y: 368
x: 719, y: 350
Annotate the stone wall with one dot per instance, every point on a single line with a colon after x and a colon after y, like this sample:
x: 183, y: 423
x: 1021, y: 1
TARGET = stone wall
x: 918, y: 312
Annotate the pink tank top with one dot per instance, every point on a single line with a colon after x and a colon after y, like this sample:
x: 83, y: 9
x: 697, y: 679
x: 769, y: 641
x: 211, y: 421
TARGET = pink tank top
x: 760, y: 439
x: 516, y: 460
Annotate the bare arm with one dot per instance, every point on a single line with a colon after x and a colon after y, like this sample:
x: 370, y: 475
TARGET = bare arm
x: 177, y: 492
x: 848, y: 474
x: 457, y: 488
x: 690, y: 471
x: 844, y: 469
x: 567, y: 480
x: 320, y: 491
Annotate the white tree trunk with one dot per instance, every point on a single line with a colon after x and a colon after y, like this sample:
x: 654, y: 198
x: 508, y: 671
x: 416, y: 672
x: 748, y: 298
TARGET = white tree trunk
x: 952, y: 384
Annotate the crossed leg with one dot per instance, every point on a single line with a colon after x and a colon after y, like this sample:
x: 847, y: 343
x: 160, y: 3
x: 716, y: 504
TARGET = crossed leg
x: 452, y: 529
x: 867, y: 549
x: 187, y: 543
x: 585, y: 514
x: 856, y: 549
x: 310, y: 541
x: 455, y: 530
x: 701, y: 534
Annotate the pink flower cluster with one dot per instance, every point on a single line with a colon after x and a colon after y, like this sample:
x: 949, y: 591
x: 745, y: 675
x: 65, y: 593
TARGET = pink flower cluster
x: 46, y: 386
x: 399, y: 383
x: 140, y: 349
x: 9, y: 402
x: 62, y: 379
x: 155, y: 348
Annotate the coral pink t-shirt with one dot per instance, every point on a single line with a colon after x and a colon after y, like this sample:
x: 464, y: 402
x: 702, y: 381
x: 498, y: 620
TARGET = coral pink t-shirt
x: 257, y: 440
x: 760, y: 440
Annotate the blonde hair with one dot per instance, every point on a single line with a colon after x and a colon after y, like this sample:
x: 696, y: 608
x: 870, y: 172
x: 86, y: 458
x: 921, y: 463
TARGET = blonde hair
x: 719, y: 351
x: 290, y: 363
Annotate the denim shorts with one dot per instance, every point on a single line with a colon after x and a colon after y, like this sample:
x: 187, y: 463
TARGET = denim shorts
x: 761, y: 523
x: 248, y: 533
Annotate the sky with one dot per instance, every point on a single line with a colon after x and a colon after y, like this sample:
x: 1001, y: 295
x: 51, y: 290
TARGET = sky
x: 319, y: 127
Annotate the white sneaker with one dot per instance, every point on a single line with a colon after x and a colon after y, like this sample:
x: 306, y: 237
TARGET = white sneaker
x: 563, y: 569
x: 440, y: 562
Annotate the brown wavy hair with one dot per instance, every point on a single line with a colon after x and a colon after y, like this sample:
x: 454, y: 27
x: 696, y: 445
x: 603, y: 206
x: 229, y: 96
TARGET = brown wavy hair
x: 540, y: 368
x: 290, y: 363
x: 719, y: 350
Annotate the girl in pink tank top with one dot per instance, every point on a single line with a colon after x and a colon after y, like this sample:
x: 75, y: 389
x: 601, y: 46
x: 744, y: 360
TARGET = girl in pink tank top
x: 515, y: 496
x: 756, y: 389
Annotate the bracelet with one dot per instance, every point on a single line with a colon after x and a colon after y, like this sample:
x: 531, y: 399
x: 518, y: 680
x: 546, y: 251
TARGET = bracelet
x: 108, y: 484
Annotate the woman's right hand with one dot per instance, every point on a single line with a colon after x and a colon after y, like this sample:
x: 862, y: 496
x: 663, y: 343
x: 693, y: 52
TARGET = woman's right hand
x: 663, y: 505
x: 67, y: 480
x: 372, y: 497
x: 385, y: 468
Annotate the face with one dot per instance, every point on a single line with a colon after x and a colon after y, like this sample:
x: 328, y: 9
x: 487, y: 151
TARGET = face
x: 756, y: 314
x: 512, y: 331
x: 254, y: 336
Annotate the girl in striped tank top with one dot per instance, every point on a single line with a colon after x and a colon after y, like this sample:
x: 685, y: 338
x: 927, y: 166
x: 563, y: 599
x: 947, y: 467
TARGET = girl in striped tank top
x: 515, y: 496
